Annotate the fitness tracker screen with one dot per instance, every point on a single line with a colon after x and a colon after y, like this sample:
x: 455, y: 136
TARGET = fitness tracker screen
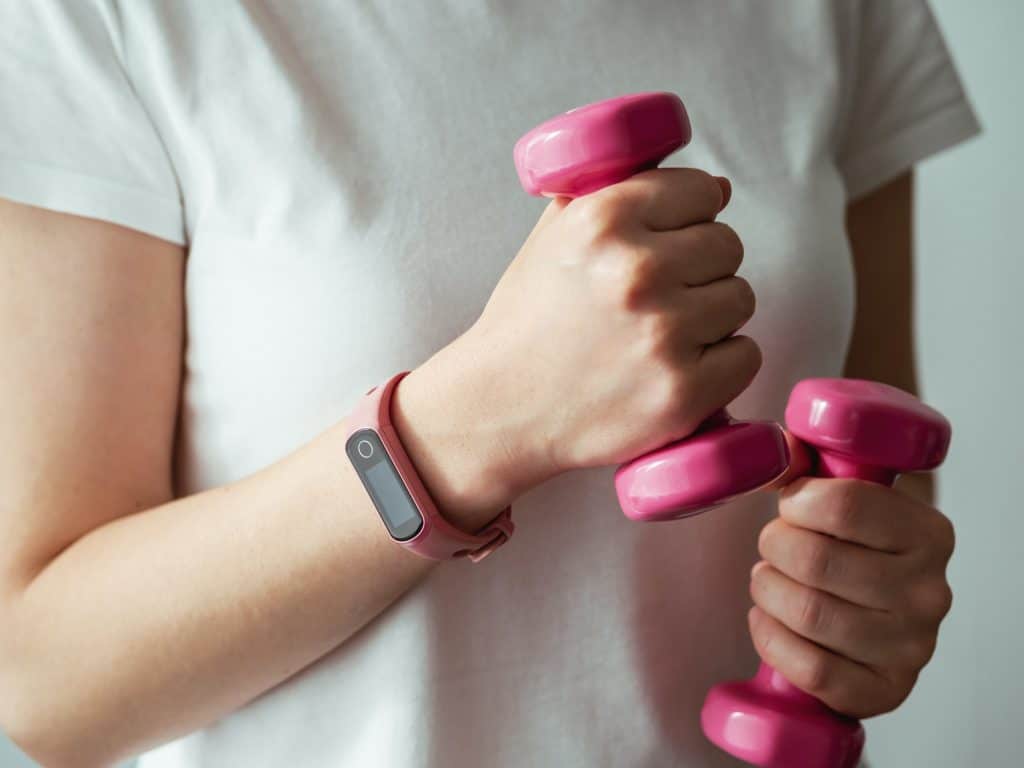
x: 382, y: 481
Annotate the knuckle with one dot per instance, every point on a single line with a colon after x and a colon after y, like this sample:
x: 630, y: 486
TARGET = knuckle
x: 892, y: 703
x: 937, y: 601
x: 763, y: 642
x: 817, y: 673
x: 690, y: 418
x: 612, y: 201
x: 748, y: 355
x: 708, y: 187
x: 700, y: 176
x: 790, y: 498
x: 946, y: 536
x: 839, y: 699
x: 743, y: 295
x: 698, y: 187
x: 730, y: 244
x: 678, y: 409
x: 843, y: 509
x: 918, y: 651
x: 632, y: 274
x: 814, y: 618
x: 944, y: 601
x: 596, y: 216
x: 656, y: 342
x: 667, y: 391
x: 766, y: 538
x: 895, y: 694
x: 818, y: 564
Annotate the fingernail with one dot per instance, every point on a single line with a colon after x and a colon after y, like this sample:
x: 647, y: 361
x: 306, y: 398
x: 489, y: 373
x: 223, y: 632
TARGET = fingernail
x: 726, y: 186
x: 758, y: 567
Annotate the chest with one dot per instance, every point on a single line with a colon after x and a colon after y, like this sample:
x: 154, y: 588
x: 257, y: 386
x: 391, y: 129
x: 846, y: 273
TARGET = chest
x: 349, y: 191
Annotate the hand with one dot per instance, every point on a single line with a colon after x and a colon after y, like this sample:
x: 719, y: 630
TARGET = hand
x: 609, y: 334
x: 851, y: 591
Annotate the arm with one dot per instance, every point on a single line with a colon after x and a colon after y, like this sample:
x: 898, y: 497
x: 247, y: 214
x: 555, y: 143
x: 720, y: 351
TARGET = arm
x: 130, y: 617
x: 123, y: 610
x: 852, y: 587
x: 880, y: 230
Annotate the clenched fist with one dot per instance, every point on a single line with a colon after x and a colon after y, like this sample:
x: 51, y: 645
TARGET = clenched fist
x: 613, y: 321
x: 851, y: 591
x: 609, y: 335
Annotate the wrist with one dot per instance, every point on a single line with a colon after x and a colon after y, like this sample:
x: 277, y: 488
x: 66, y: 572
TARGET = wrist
x: 458, y: 442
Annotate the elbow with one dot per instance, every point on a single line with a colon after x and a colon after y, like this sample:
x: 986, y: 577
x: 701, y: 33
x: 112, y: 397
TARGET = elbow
x: 28, y: 735
x: 43, y: 720
x: 50, y: 718
x: 27, y: 723
x: 43, y: 738
x: 32, y: 716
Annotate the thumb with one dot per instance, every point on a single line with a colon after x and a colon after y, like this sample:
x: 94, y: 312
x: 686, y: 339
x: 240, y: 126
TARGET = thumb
x: 801, y: 462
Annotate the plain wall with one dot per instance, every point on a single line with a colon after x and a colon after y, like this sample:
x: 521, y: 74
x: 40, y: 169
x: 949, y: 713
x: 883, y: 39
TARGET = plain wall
x: 968, y: 706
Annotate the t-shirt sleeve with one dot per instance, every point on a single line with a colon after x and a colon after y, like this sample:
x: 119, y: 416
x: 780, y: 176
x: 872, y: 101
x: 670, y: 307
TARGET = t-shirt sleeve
x: 905, y: 100
x: 74, y: 137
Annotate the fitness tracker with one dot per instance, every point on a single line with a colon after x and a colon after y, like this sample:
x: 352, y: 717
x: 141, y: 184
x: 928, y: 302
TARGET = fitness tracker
x: 402, y: 501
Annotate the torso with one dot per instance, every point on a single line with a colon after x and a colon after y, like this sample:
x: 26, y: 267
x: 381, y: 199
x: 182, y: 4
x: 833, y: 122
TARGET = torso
x: 350, y: 204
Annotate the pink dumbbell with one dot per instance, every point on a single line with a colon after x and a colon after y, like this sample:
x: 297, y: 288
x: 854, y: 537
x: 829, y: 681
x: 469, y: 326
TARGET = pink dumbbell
x: 861, y: 429
x: 582, y: 151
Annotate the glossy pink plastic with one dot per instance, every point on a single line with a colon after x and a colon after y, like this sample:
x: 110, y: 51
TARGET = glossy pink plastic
x: 582, y: 151
x: 864, y: 430
x: 723, y: 460
x: 599, y: 144
x: 861, y: 429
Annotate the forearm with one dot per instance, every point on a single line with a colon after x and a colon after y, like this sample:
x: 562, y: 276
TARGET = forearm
x: 880, y: 228
x: 159, y: 622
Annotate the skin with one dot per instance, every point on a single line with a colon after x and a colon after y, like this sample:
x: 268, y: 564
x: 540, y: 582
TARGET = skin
x: 851, y: 588
x: 124, y: 608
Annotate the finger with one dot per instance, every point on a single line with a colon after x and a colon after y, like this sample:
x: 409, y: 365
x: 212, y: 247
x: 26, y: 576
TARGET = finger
x: 726, y: 186
x: 671, y: 198
x: 717, y: 310
x: 869, y: 514
x: 699, y: 254
x: 859, y: 575
x: 724, y: 370
x: 801, y: 462
x: 844, y: 685
x: 861, y: 634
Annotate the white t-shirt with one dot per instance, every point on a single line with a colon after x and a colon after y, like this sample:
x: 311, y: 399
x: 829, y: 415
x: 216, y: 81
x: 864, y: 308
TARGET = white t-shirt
x: 341, y: 173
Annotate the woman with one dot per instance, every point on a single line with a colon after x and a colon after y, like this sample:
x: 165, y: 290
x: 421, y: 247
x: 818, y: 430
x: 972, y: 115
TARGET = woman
x: 225, y: 222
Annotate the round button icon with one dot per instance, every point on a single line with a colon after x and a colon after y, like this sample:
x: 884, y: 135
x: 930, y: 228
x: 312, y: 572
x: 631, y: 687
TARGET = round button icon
x: 364, y: 448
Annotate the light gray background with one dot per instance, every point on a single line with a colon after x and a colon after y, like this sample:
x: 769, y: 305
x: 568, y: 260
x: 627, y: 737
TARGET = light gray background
x: 967, y: 708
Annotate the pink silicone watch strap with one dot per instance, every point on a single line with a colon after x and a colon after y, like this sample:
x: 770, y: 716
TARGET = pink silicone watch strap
x: 437, y: 539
